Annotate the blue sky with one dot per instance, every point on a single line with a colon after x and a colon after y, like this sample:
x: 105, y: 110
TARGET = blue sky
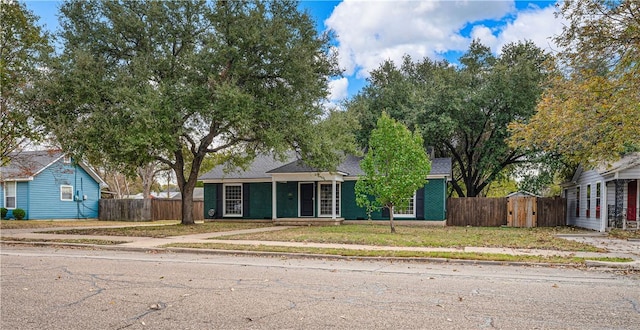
x: 371, y: 31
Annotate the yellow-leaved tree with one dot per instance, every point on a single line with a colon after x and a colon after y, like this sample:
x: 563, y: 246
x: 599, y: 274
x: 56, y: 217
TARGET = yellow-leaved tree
x: 590, y: 109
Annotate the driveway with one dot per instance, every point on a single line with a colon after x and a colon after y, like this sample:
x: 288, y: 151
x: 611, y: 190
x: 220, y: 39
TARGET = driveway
x: 613, y: 245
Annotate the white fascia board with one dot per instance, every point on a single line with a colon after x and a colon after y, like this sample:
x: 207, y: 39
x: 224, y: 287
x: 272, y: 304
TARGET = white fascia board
x: 18, y: 179
x: 429, y: 177
x: 237, y: 180
x: 308, y: 176
x: 93, y: 174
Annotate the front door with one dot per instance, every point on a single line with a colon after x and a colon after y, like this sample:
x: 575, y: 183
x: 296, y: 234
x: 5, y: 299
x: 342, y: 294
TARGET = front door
x: 632, y: 198
x: 306, y: 199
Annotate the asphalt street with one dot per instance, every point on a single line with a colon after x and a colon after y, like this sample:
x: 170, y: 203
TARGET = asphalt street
x: 48, y: 288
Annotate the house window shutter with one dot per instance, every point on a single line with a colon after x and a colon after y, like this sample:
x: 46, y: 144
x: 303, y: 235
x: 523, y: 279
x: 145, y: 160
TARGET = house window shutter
x: 420, y: 204
x: 218, y: 201
x: 245, y: 200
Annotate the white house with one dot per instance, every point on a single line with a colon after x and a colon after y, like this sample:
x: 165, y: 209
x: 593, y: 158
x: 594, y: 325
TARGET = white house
x: 605, y: 197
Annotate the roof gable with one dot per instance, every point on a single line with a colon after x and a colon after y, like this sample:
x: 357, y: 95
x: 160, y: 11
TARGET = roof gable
x: 26, y: 165
x: 628, y: 161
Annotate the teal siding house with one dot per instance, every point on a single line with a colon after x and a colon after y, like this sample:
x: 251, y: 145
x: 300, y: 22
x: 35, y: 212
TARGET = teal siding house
x: 290, y: 190
x: 49, y: 185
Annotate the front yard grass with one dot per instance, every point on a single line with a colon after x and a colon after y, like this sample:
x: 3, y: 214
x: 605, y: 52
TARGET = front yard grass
x: 625, y: 234
x: 419, y: 236
x: 64, y: 240
x: 30, y: 224
x: 165, y: 230
x: 398, y: 254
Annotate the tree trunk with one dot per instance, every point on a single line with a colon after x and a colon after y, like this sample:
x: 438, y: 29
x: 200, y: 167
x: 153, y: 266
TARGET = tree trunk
x: 187, y: 205
x: 147, y: 174
x: 187, y: 184
x: 393, y: 226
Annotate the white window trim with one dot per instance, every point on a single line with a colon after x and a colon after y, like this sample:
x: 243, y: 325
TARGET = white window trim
x: 15, y: 196
x: 65, y: 199
x: 338, y: 199
x: 224, y: 200
x: 412, y: 215
x: 66, y: 159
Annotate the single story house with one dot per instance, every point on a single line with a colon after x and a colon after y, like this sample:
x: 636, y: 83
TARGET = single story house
x: 606, y: 196
x: 49, y: 185
x: 279, y: 190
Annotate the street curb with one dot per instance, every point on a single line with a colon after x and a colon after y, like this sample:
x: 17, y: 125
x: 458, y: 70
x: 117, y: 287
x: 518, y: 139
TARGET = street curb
x: 581, y: 235
x: 609, y: 264
x: 588, y: 263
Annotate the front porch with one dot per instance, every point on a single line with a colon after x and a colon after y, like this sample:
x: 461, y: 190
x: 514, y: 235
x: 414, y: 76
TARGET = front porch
x: 622, y: 204
x: 307, y: 221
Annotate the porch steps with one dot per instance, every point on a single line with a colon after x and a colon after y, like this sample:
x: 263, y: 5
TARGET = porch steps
x: 308, y: 221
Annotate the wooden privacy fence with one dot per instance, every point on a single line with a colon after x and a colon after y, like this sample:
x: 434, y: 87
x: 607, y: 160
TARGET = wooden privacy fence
x: 146, y: 209
x: 512, y: 212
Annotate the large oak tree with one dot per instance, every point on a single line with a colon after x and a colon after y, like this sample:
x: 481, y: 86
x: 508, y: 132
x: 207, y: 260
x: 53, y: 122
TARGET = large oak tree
x: 462, y: 111
x: 23, y: 46
x: 173, y: 81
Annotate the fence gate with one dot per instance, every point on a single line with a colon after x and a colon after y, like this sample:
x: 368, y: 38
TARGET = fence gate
x: 522, y: 212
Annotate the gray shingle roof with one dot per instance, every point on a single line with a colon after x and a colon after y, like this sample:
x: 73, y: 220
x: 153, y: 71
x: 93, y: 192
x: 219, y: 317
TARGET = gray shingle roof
x: 441, y: 166
x: 350, y: 166
x: 256, y: 170
x: 264, y: 165
x: 26, y: 164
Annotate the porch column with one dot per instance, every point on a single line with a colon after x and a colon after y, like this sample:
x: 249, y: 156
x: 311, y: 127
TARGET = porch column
x: 620, y: 216
x: 274, y: 200
x: 604, y: 208
x: 333, y: 198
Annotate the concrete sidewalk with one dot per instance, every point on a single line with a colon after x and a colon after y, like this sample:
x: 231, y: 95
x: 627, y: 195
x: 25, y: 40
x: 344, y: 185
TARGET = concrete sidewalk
x: 616, y: 248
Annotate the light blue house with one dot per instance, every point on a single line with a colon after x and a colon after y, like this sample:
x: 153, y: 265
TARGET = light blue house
x: 49, y: 185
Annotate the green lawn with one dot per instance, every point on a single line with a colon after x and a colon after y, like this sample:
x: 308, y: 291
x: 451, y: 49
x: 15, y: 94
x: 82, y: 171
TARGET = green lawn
x: 21, y: 224
x: 398, y: 254
x: 365, y: 234
x: 64, y: 240
x: 165, y: 230
x: 418, y: 236
x: 625, y: 234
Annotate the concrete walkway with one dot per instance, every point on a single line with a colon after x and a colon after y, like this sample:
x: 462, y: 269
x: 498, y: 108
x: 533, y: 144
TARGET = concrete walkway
x: 615, y: 247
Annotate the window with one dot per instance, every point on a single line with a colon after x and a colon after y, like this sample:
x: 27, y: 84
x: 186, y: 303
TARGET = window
x: 232, y: 200
x: 10, y: 195
x: 66, y: 193
x: 578, y: 201
x: 410, y: 212
x: 588, y: 201
x: 326, y: 198
x: 66, y: 159
x: 598, y: 194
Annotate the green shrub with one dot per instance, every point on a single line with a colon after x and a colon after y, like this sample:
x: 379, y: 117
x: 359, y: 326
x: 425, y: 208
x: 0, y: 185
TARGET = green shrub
x: 19, y: 214
x: 3, y: 213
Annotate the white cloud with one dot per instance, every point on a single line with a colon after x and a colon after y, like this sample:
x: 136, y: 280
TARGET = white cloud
x: 338, y: 89
x: 369, y: 32
x: 485, y: 35
x: 535, y: 24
